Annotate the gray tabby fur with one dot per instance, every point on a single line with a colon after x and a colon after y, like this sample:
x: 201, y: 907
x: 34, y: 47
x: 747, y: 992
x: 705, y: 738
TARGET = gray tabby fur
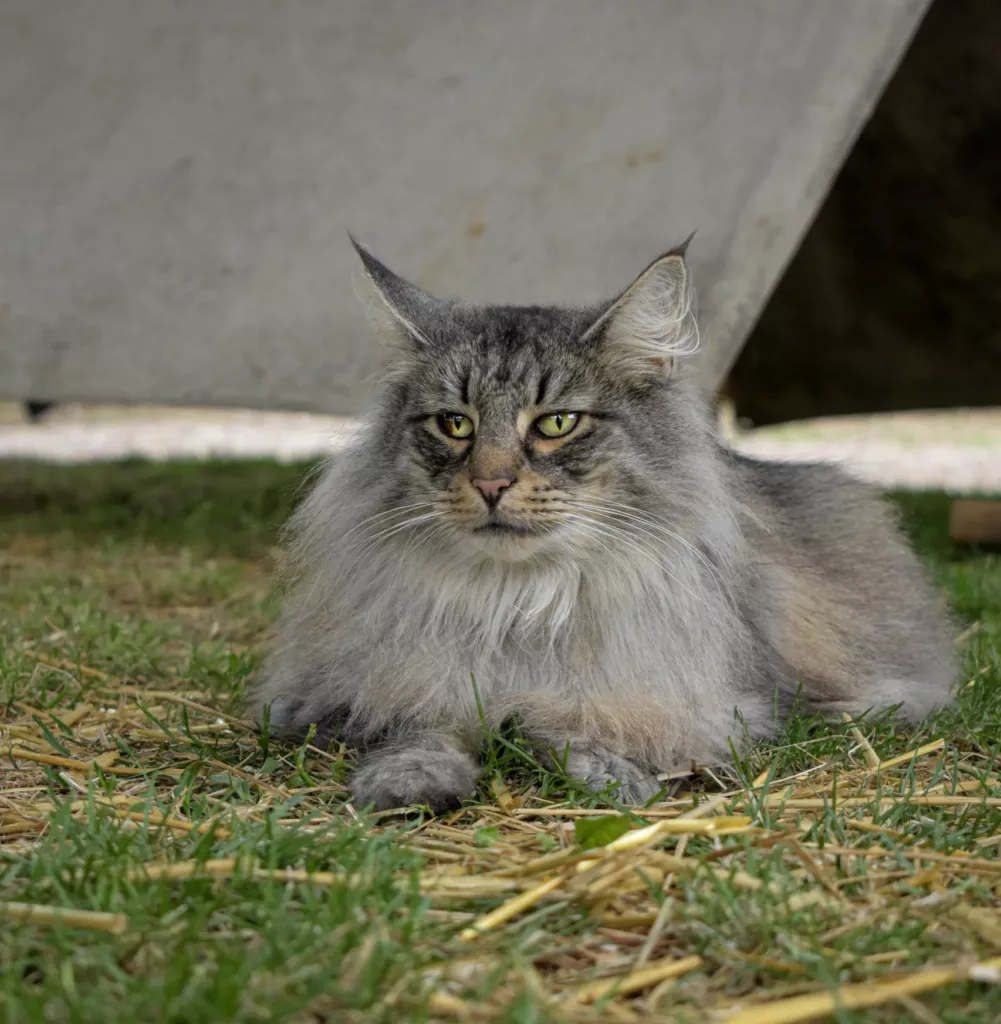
x: 644, y: 594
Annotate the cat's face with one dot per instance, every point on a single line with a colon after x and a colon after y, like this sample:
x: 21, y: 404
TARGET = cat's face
x: 519, y: 430
x: 508, y: 431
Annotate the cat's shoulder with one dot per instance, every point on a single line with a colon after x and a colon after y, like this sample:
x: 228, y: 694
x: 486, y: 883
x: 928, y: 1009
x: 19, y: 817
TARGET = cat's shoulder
x: 798, y: 479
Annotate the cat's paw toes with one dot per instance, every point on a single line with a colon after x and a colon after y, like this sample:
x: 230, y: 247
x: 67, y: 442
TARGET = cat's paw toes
x: 402, y: 778
x: 290, y: 720
x: 600, y: 769
x: 277, y: 714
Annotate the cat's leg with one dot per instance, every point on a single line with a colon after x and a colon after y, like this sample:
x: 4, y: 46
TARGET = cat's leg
x: 431, y: 768
x: 599, y: 767
x: 414, y: 767
x: 290, y: 720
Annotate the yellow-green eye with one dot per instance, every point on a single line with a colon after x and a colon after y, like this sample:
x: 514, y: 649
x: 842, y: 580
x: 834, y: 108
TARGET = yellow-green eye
x: 556, y: 424
x: 454, y: 424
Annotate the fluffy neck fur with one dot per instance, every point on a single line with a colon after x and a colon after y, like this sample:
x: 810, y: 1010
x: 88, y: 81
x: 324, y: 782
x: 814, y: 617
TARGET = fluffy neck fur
x: 610, y: 613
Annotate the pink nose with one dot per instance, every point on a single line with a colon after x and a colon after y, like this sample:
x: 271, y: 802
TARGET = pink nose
x: 491, y: 489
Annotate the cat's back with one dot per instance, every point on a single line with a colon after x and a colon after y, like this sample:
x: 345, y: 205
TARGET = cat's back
x: 817, y: 512
x: 834, y: 569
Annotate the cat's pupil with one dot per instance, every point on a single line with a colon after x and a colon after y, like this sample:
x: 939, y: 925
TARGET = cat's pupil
x: 558, y: 420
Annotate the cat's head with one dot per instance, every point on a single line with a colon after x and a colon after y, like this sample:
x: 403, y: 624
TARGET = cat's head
x: 509, y: 431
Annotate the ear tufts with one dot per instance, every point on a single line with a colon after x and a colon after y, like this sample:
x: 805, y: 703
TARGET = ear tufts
x: 652, y: 323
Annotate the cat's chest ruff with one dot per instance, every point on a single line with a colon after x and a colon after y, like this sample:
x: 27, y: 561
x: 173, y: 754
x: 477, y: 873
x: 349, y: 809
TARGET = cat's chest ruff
x: 554, y: 646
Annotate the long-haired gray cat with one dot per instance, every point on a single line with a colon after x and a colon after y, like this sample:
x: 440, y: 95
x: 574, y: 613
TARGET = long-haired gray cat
x: 539, y: 502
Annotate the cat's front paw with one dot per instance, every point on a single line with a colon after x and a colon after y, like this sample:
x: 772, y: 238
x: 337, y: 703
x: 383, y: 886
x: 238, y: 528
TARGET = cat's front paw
x: 441, y: 779
x: 599, y: 768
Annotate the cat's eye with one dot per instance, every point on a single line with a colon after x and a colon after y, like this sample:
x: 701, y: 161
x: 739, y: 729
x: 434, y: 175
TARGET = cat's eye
x: 454, y: 424
x: 557, y: 424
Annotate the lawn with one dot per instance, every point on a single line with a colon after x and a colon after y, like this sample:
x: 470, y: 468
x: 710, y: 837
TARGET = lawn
x: 161, y: 861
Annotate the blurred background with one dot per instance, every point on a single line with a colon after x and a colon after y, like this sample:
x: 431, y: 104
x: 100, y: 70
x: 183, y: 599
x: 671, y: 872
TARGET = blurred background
x: 178, y: 179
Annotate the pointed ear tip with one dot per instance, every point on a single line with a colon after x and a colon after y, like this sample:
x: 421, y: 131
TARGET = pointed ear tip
x: 672, y: 264
x: 681, y: 250
x: 359, y: 247
x: 374, y: 268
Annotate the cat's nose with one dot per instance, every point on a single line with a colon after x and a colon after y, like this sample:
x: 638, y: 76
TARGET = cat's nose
x: 493, y: 489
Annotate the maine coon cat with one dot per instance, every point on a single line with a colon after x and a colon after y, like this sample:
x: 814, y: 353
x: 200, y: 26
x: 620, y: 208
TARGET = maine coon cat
x: 539, y: 502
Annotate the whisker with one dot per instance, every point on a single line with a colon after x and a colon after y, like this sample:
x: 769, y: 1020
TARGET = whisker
x: 385, y: 533
x: 396, y: 510
x: 648, y: 522
x: 424, y: 537
x: 616, y: 533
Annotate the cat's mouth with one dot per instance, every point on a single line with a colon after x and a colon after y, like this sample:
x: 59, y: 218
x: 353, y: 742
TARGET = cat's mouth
x: 501, y: 528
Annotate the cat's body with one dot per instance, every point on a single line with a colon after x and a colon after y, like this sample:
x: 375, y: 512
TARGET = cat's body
x: 588, y: 553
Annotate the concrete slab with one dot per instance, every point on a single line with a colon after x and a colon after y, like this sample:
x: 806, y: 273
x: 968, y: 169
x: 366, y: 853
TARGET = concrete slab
x: 177, y: 178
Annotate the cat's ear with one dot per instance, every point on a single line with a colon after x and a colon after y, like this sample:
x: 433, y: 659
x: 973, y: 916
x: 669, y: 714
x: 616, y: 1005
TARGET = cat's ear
x: 644, y: 331
x: 411, y: 311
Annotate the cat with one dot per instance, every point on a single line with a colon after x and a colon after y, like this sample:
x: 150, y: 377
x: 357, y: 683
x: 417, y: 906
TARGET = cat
x: 538, y: 521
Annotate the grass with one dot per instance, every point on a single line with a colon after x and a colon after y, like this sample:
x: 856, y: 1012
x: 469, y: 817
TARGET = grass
x: 161, y: 861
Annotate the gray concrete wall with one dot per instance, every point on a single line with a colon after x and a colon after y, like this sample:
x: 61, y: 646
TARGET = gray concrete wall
x: 176, y: 178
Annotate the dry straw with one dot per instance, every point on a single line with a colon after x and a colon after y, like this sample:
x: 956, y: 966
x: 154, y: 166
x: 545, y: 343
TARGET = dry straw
x: 635, y: 957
